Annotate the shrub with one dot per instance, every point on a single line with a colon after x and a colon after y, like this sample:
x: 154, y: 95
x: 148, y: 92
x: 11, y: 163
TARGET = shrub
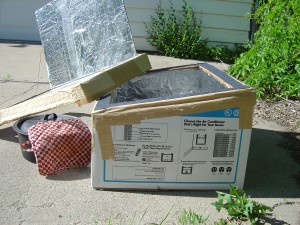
x: 272, y: 65
x: 179, y: 34
x: 176, y: 33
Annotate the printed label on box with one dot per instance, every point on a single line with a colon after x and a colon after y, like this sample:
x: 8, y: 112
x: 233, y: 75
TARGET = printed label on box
x: 196, y: 148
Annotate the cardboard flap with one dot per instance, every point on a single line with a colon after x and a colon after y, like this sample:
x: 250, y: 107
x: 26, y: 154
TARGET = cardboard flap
x: 84, y: 91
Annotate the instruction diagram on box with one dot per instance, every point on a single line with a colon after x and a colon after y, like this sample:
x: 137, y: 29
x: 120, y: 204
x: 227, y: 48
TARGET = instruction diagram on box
x: 167, y: 157
x: 150, y: 132
x: 209, y: 146
x: 186, y: 170
x: 200, y: 147
x: 198, y: 143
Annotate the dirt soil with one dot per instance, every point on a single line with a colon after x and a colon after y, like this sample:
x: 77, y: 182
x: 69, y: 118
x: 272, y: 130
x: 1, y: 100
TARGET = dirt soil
x: 284, y: 113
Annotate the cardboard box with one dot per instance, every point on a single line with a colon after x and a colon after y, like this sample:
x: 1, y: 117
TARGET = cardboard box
x: 181, y: 135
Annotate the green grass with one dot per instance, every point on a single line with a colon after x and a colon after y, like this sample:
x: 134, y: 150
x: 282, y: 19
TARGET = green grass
x: 191, y: 218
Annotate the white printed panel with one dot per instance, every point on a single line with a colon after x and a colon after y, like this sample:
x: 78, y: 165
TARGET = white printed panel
x: 198, y: 148
x: 208, y: 153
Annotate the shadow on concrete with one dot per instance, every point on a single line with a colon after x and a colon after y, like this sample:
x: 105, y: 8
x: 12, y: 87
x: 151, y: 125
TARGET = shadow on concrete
x: 184, y: 193
x: 271, y: 168
x: 71, y: 174
x: 273, y: 221
x: 8, y: 134
x: 19, y: 43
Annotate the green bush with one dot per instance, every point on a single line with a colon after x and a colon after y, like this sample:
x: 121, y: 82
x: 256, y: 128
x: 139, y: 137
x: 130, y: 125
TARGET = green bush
x: 176, y: 33
x: 272, y: 65
x: 179, y: 34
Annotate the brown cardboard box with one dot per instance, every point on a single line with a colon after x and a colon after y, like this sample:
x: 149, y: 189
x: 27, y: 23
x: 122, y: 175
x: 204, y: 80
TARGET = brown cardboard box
x: 185, y: 134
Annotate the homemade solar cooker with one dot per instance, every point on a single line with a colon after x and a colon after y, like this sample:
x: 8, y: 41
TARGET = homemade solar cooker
x: 185, y: 127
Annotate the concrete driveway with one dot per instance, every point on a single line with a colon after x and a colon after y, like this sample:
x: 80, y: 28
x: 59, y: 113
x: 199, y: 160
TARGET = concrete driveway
x: 68, y: 198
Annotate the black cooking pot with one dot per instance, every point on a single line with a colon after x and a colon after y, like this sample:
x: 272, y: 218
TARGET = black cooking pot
x: 22, y: 126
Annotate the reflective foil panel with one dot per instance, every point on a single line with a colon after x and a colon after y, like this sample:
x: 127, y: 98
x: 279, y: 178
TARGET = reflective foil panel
x: 82, y: 37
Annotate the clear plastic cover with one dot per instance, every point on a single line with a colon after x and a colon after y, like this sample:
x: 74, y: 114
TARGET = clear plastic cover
x: 168, y: 84
x: 81, y: 37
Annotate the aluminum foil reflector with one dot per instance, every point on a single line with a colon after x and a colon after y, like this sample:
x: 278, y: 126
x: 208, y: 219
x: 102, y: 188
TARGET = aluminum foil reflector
x: 168, y: 84
x: 82, y: 37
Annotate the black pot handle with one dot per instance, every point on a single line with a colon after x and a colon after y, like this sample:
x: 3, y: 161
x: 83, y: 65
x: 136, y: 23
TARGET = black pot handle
x: 54, y: 117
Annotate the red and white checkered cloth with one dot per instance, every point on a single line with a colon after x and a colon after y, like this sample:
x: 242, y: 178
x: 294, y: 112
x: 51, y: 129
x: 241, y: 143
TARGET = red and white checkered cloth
x: 60, y: 144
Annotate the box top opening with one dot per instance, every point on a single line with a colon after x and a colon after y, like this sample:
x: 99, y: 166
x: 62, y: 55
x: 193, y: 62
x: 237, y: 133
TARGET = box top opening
x: 170, y: 83
x: 167, y: 84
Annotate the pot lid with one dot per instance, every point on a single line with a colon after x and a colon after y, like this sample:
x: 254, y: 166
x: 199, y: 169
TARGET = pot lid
x: 22, y: 126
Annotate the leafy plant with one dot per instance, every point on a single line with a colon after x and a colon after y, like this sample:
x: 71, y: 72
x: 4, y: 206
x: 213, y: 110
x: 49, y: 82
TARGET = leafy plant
x: 224, y: 54
x: 176, y: 33
x: 272, y: 65
x: 191, y: 218
x: 179, y: 34
x: 240, y: 206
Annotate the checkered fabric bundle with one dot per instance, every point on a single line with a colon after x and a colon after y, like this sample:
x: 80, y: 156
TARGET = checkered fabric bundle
x: 60, y: 144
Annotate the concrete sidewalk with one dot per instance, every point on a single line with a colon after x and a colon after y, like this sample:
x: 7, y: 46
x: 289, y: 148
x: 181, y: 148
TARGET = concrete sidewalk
x: 68, y: 198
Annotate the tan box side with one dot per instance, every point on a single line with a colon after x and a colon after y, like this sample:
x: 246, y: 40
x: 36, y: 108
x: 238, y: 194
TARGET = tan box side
x: 88, y: 90
x: 133, y: 114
